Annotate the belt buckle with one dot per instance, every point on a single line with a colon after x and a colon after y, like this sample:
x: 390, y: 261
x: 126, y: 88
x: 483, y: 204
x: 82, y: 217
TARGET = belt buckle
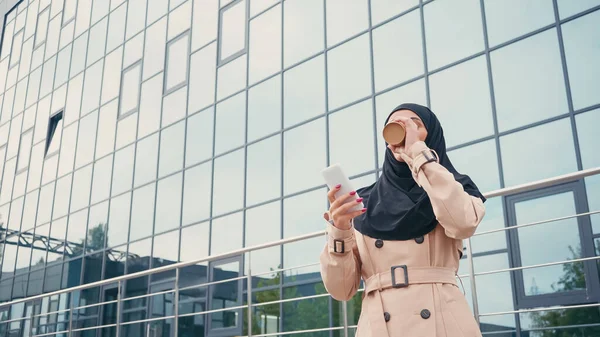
x: 403, y: 284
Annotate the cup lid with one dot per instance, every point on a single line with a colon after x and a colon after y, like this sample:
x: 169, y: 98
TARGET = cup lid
x: 394, y: 133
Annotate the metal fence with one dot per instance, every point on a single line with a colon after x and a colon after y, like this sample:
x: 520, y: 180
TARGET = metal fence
x: 64, y: 318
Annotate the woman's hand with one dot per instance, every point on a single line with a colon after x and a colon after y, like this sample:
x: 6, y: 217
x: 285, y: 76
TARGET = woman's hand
x: 412, y: 136
x: 339, y: 209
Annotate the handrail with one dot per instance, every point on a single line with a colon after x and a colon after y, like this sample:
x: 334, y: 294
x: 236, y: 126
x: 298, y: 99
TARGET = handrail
x: 500, y: 192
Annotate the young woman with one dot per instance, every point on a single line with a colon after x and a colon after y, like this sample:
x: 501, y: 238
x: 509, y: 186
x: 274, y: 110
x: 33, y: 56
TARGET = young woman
x: 407, y: 241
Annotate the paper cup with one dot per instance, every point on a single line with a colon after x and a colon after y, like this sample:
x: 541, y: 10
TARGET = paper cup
x: 394, y: 133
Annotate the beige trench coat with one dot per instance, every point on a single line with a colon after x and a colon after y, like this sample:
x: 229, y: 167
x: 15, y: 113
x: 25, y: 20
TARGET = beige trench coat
x: 423, y: 299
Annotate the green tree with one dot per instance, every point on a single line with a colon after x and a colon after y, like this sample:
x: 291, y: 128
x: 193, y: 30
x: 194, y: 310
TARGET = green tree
x: 573, y: 278
x: 95, y: 237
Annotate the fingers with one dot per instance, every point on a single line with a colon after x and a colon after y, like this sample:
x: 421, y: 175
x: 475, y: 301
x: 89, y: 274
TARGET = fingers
x: 326, y: 216
x: 341, y: 200
x: 332, y: 192
x: 408, y: 122
x: 345, y: 208
x: 346, y: 218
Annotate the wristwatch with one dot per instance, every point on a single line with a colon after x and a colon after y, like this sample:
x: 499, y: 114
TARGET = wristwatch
x: 424, y: 157
x: 429, y: 156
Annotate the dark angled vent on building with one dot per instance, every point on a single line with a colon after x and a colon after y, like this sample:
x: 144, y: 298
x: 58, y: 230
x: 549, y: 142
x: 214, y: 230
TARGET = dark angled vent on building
x: 54, y: 133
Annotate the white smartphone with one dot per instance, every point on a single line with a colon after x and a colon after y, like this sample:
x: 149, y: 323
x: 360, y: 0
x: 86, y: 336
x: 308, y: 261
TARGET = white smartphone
x: 334, y: 175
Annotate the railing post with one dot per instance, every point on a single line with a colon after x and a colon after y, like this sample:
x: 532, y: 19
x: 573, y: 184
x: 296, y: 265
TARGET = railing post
x: 118, y: 323
x: 71, y: 302
x: 176, y: 303
x: 345, y: 313
x: 249, y: 285
x: 472, y: 280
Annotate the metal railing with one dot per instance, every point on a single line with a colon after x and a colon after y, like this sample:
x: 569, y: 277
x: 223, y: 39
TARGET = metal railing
x: 73, y: 311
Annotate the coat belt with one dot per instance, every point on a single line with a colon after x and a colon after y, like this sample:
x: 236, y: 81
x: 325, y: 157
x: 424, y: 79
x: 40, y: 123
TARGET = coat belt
x: 398, y: 277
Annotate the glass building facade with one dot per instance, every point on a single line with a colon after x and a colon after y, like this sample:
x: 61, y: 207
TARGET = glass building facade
x: 138, y: 133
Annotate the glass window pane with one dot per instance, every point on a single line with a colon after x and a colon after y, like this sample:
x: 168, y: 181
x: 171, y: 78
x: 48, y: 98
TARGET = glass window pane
x: 116, y: 28
x: 45, y: 204
x: 524, y: 153
x: 150, y: 106
x: 202, y: 77
x: 302, y: 253
x: 107, y: 126
x: 180, y: 19
x: 85, y: 140
x: 304, y: 156
x: 494, y: 219
x: 199, y: 137
x: 146, y: 160
x: 102, y: 178
x: 474, y: 119
x: 76, y: 231
x: 82, y: 20
x: 99, y: 10
x: 233, y: 29
x: 135, y: 21
x: 177, y: 62
x: 154, y: 50
x: 168, y: 203
x: 354, y: 120
x: 588, y: 138
x: 123, y: 170
x: 231, y: 77
x: 31, y: 202
x: 42, y: 27
x: 264, y: 109
x: 265, y: 44
x: 156, y: 10
x: 567, y: 8
x: 97, y: 41
x: 194, y: 242
x: 134, y: 50
x: 395, y: 43
x: 196, y: 193
x: 453, y: 31
x: 303, y: 29
x: 528, y: 81
x: 263, y: 181
x: 491, y: 286
x: 205, y: 18
x: 382, y: 10
x: 174, y: 106
x: 24, y: 150
x: 304, y: 91
x: 62, y: 67
x: 484, y: 170
x: 96, y: 233
x: 349, y: 70
x: 111, y: 82
x: 142, y: 216
x: 35, y: 167
x: 171, y: 149
x: 263, y: 224
x: 73, y: 104
x: 581, y: 52
x: 126, y: 130
x: 45, y: 87
x: 61, y: 197
x: 345, y: 19
x: 82, y: 184
x: 79, y: 52
x: 505, y: 23
x: 228, y: 192
x: 231, y: 123
x: 118, y: 222
x: 166, y: 248
x: 130, y: 90
x: 226, y: 234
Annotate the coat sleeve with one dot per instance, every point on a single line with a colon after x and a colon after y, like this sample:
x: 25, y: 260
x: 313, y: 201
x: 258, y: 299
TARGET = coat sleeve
x: 458, y: 212
x: 340, y: 263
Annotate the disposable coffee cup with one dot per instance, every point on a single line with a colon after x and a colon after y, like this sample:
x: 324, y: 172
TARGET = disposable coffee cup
x: 394, y: 133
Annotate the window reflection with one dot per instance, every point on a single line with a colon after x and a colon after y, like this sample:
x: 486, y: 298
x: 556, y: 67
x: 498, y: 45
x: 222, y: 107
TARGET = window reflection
x: 227, y: 233
x: 231, y: 77
x: 524, y: 156
x: 196, y: 193
x: 96, y: 229
x: 102, y: 178
x: 138, y: 257
x: 263, y: 224
x: 76, y: 233
x: 202, y: 77
x: 304, y: 156
x: 31, y: 201
x: 483, y: 171
x: 146, y: 160
x: 142, y: 217
x: 231, y: 123
x: 587, y: 145
x: 296, y: 209
x: 14, y: 218
x: 355, y: 120
x: 118, y: 222
x: 264, y: 108
x: 38, y: 253
x: 122, y: 179
x: 304, y: 91
x: 494, y: 219
x: 166, y: 248
x: 492, y: 289
x: 45, y: 204
x: 349, y: 70
x: 303, y: 27
x: 314, y: 312
x: 194, y: 242
x: 107, y: 124
x: 452, y: 31
x: 171, y: 149
x: 463, y: 117
x: 580, y: 51
x: 263, y: 180
x: 150, y: 106
x: 528, y: 81
x: 61, y: 197
x: 228, y: 194
x: 388, y: 53
x: 199, y: 141
x: 265, y: 44
x: 168, y: 203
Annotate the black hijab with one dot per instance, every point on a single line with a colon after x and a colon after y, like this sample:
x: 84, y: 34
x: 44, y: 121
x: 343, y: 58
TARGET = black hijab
x: 397, y: 208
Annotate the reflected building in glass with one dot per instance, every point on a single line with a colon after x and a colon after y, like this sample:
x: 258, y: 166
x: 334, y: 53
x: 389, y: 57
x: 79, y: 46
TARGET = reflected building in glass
x: 135, y: 134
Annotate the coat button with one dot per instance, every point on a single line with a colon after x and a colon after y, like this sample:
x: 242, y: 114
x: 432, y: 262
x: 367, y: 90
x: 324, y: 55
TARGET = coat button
x: 419, y: 240
x: 386, y: 316
x: 425, y: 314
x: 378, y: 243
